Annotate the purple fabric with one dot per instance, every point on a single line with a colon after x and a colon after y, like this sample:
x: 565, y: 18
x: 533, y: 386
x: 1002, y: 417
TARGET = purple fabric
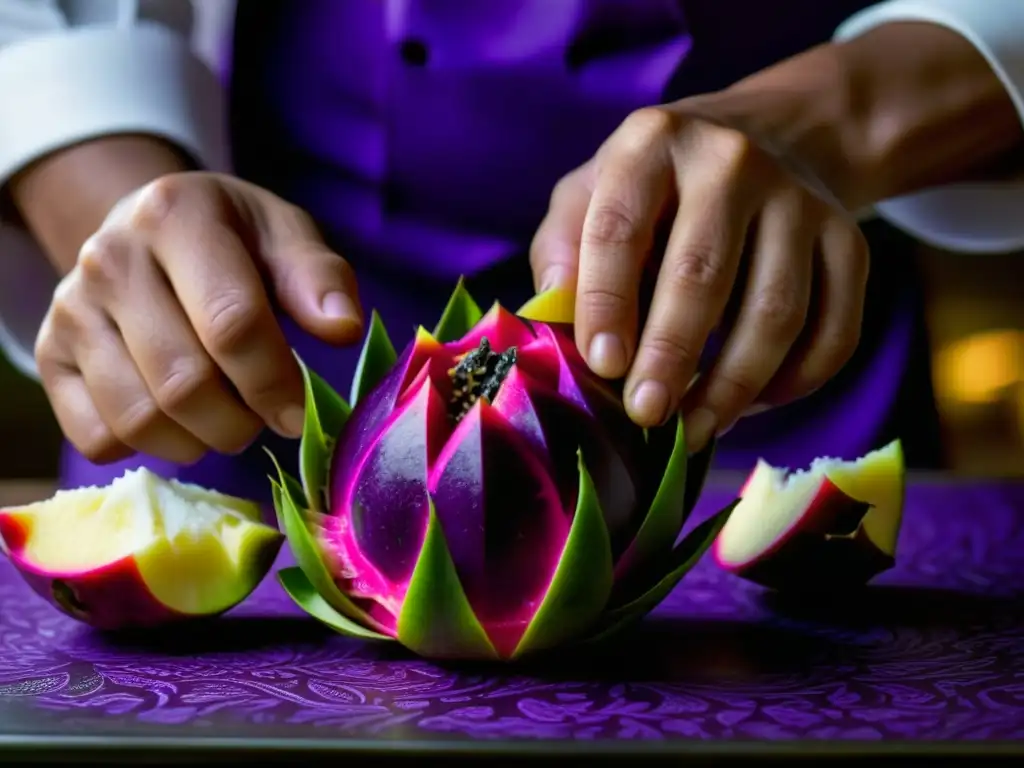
x: 426, y: 138
x: 932, y: 652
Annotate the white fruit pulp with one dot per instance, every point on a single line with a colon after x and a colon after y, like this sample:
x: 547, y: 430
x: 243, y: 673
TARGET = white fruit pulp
x: 772, y: 504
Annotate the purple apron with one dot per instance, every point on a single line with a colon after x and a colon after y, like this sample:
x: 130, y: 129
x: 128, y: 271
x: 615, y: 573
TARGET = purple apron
x: 426, y: 135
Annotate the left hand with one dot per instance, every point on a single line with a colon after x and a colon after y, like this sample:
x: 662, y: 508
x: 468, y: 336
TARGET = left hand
x: 741, y: 227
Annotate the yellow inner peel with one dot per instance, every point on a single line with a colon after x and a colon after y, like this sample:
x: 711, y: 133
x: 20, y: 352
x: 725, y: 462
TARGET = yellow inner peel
x: 557, y: 305
x: 876, y: 478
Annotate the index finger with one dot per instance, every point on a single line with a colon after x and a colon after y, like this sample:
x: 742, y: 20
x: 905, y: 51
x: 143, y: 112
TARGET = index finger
x: 216, y: 280
x: 694, y: 284
x: 555, y: 249
x: 635, y: 181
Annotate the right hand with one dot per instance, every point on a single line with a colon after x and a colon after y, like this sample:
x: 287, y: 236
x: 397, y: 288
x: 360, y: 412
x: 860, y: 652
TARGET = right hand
x: 163, y: 339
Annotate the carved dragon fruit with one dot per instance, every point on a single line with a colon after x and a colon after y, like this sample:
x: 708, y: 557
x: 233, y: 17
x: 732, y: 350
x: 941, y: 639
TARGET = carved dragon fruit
x: 486, y: 497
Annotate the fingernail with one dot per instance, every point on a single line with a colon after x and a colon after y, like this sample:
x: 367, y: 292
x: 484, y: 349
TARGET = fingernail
x: 650, y: 402
x: 607, y: 356
x: 700, y: 426
x: 755, y: 409
x: 337, y: 306
x: 291, y: 421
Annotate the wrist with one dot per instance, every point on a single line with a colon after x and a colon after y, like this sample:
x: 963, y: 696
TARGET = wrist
x: 64, y: 197
x: 935, y: 111
x: 903, y: 107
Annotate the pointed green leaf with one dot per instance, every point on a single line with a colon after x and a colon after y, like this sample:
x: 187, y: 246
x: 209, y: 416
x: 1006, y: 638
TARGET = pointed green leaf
x: 437, y: 620
x: 292, y: 522
x: 376, y: 359
x: 326, y: 414
x: 583, y: 579
x: 684, y: 557
x: 667, y: 513
x: 308, y: 599
x: 461, y: 314
x: 697, y: 475
x: 275, y: 494
x: 284, y: 480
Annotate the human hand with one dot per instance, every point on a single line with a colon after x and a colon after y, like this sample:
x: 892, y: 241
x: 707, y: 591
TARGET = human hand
x: 740, y: 229
x: 162, y: 339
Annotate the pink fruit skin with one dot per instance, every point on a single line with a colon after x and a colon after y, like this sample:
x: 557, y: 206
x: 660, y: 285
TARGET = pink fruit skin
x: 114, y: 596
x: 825, y: 549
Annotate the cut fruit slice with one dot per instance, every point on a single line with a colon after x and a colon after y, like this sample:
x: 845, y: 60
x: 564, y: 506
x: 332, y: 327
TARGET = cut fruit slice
x: 140, y: 551
x: 835, y: 524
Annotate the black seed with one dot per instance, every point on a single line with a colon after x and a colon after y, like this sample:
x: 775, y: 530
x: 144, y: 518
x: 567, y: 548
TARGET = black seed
x: 479, y: 373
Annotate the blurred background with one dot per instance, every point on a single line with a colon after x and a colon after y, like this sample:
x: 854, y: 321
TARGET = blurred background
x: 976, y: 316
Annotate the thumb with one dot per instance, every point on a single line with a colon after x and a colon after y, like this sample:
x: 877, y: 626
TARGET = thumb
x: 555, y: 250
x: 314, y: 285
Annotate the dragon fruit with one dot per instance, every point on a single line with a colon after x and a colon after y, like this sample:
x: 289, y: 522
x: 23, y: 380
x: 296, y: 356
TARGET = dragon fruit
x: 486, y: 497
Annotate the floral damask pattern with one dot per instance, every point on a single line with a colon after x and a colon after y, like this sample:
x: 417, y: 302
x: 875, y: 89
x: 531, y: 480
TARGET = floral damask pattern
x: 935, y: 650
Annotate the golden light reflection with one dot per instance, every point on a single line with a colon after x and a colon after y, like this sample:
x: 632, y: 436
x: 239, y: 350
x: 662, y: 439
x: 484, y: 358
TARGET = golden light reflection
x: 982, y: 368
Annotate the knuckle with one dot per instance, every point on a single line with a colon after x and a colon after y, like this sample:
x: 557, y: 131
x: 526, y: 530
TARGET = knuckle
x: 45, y: 353
x: 778, y: 312
x: 666, y: 348
x: 45, y: 347
x: 300, y: 220
x: 231, y: 319
x: 63, y: 315
x: 733, y: 150
x: 99, y: 445
x: 612, y: 223
x: 104, y: 257
x: 602, y: 302
x: 288, y: 218
x: 136, y: 420
x: 184, y: 382
x: 696, y: 268
x: 65, y: 293
x: 564, y: 188
x: 647, y: 128
x: 265, y: 394
x: 155, y: 202
x: 738, y: 386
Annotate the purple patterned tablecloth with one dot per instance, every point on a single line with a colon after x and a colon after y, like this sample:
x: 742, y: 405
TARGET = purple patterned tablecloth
x: 934, y: 651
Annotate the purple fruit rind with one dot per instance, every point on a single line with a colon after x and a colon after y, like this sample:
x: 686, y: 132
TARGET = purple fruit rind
x: 388, y: 505
x: 504, y: 560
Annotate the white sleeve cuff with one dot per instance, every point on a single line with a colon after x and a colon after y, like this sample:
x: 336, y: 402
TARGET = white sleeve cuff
x: 72, y: 85
x: 971, y: 217
x: 63, y: 88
